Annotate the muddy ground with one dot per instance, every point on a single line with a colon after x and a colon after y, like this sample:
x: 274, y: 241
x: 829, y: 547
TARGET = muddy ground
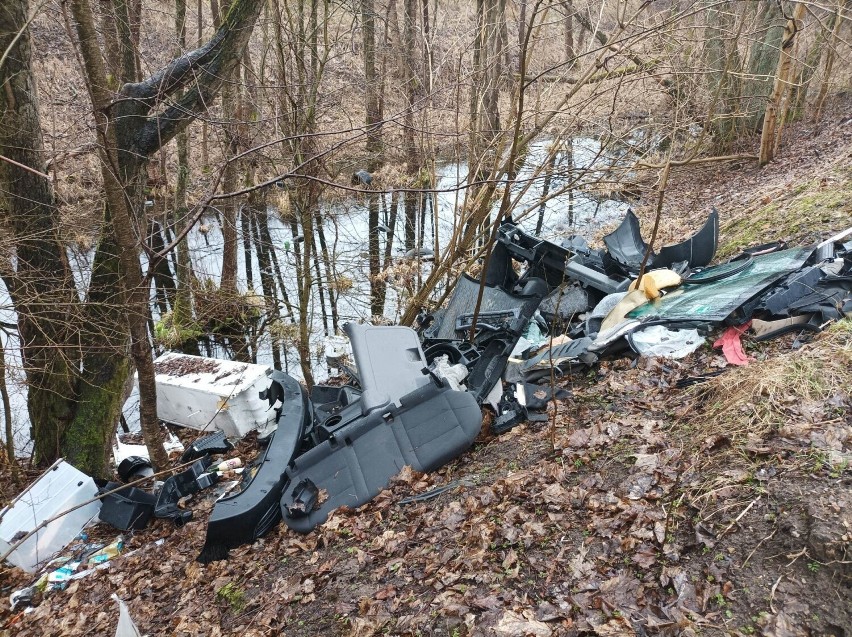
x: 640, y: 508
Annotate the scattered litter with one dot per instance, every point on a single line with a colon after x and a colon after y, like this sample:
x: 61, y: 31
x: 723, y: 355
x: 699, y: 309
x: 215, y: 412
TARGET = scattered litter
x: 453, y: 374
x: 433, y: 493
x: 731, y: 345
x: 133, y: 468
x: 126, y: 627
x: 212, y: 444
x: 336, y: 351
x: 122, y: 451
x: 108, y: 552
x: 22, y: 597
x: 404, y: 404
x: 659, y: 340
x: 62, y: 489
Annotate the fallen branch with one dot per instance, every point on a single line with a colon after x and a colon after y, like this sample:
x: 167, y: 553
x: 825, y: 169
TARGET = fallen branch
x: 699, y: 160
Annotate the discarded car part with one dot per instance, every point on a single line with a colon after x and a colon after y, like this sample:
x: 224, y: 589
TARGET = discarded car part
x: 658, y: 279
x: 697, y: 251
x: 715, y: 302
x: 606, y: 338
x: 127, y: 508
x: 179, y: 486
x: 245, y: 516
x: 390, y: 363
x: 599, y: 312
x: 778, y: 300
x: 564, y: 303
x: 626, y: 247
x: 494, y: 299
x: 825, y: 249
x: 59, y: 489
x: 536, y: 397
x: 208, y: 445
x: 625, y: 244
x: 832, y: 299
x: 575, y: 268
x: 493, y: 321
x: 209, y: 394
x: 457, y: 352
x: 494, y: 345
x: 133, y: 468
x: 659, y: 340
x: 767, y: 330
x: 631, y: 301
x: 560, y: 358
x: 765, y: 248
x: 430, y: 427
x: 510, y: 418
x: 721, y: 271
x: 305, y: 498
x: 555, y: 263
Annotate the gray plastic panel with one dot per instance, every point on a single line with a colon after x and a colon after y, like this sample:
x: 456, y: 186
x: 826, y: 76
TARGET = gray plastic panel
x: 432, y: 426
x: 463, y: 301
x: 390, y: 362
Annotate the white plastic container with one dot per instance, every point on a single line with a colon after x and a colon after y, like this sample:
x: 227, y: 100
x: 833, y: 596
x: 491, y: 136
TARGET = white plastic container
x: 60, y: 488
x: 208, y: 394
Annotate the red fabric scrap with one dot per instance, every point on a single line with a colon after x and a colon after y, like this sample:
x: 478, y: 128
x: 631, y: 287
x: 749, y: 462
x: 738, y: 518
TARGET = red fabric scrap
x: 731, y: 346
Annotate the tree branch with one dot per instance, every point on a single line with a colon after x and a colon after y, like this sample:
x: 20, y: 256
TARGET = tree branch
x: 207, y: 66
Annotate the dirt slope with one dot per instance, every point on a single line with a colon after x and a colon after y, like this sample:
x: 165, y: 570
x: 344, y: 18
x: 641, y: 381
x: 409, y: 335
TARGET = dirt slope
x: 641, y: 508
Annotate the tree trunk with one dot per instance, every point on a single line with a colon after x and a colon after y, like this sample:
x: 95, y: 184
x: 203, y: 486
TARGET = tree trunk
x: 762, y: 63
x: 829, y: 60
x: 724, y: 64
x: 768, y: 141
x: 570, y: 53
x: 182, y: 313
x: 118, y: 296
x: 41, y: 286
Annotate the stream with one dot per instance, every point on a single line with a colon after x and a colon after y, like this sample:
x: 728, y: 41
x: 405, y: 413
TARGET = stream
x: 345, y: 225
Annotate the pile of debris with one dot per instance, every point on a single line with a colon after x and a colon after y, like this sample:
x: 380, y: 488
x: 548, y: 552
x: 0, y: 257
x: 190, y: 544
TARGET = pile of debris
x: 414, y: 397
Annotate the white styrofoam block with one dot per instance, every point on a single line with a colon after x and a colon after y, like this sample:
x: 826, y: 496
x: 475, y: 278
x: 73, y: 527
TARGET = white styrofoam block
x: 58, y: 489
x: 208, y: 394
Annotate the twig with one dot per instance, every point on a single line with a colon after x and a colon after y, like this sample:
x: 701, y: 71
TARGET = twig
x: 758, y: 546
x: 796, y: 556
x: 738, y: 518
x: 23, y: 167
x: 772, y: 593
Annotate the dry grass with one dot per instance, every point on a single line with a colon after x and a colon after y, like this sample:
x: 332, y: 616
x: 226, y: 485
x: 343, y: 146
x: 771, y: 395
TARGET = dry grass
x: 761, y: 398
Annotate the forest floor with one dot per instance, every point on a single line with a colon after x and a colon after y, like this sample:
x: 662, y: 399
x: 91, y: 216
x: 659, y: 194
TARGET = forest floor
x: 642, y: 507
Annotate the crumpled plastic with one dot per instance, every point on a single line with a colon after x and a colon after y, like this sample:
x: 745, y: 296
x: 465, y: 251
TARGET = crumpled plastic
x: 659, y: 340
x: 126, y: 627
x: 453, y: 374
x: 731, y: 346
